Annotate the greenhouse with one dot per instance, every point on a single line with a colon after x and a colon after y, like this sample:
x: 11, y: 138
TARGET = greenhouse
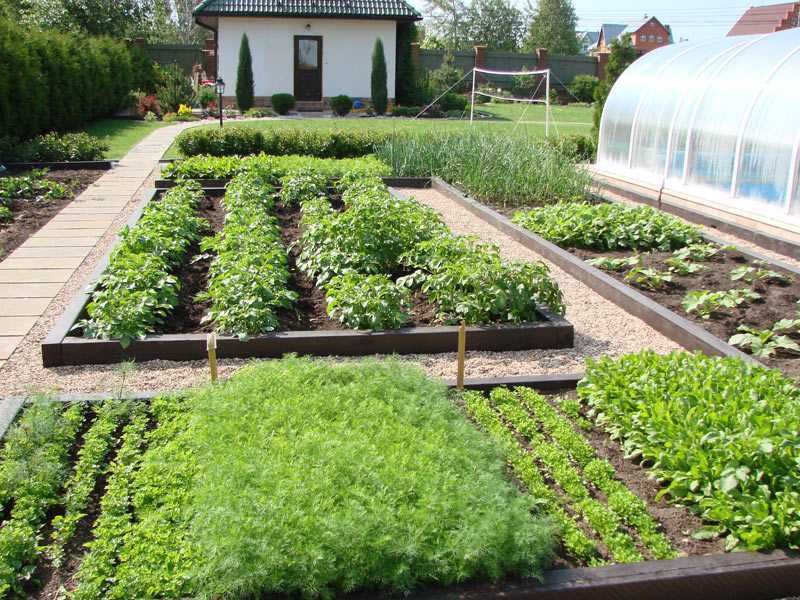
x: 716, y: 121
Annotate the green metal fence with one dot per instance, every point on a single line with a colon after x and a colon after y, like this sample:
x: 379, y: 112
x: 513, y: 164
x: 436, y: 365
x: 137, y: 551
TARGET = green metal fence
x: 184, y: 55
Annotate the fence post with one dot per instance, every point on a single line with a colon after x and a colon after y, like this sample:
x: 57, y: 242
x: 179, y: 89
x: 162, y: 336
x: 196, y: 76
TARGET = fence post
x: 602, y: 61
x: 480, y: 62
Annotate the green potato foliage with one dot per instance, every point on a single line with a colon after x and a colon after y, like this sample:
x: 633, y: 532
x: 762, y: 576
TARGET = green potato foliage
x: 720, y: 433
x: 367, y: 301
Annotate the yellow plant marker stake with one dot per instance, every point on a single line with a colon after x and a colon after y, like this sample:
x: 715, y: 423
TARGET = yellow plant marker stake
x: 211, y: 346
x: 462, y: 344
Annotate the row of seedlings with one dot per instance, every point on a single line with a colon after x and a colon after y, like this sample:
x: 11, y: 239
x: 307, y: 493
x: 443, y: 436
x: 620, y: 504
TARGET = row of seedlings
x: 139, y: 289
x: 746, y: 302
x: 370, y: 256
x: 600, y: 518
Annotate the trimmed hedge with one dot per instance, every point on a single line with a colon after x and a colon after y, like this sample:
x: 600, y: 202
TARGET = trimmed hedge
x: 58, y: 82
x: 242, y: 141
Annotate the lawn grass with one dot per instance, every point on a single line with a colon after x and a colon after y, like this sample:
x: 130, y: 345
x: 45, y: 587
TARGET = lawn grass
x: 575, y: 118
x: 121, y: 134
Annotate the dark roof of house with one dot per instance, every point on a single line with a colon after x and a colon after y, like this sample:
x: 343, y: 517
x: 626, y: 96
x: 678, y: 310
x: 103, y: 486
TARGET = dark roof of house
x: 353, y: 9
x: 767, y: 19
x: 611, y: 31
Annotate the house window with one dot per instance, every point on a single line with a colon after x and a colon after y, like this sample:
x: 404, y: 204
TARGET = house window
x: 307, y: 54
x: 660, y: 39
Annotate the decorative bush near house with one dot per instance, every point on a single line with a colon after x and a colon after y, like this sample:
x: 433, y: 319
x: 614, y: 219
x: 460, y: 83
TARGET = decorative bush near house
x: 282, y: 103
x: 341, y: 105
x: 244, y: 77
x: 175, y: 88
x: 380, y: 95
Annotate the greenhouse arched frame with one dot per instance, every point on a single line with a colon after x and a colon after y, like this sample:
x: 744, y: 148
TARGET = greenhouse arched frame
x: 717, y: 122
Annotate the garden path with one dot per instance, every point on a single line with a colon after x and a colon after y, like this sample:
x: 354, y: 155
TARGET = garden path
x: 34, y: 274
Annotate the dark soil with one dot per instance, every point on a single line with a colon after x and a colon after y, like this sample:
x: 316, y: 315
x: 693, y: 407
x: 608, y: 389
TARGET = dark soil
x: 309, y: 313
x: 778, y: 299
x: 30, y: 215
x: 193, y: 275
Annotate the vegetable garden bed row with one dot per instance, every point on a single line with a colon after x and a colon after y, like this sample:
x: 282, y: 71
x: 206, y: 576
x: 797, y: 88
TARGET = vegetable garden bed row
x: 385, y: 487
x: 179, y: 330
x: 660, y: 286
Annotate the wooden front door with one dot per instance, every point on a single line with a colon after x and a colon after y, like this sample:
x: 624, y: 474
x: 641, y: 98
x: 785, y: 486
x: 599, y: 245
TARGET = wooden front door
x: 308, y: 67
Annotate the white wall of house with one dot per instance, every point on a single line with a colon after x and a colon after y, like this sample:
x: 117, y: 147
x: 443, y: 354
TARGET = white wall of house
x: 346, y: 52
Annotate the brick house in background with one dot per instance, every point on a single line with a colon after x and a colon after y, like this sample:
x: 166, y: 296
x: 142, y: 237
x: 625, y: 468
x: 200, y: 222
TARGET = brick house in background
x: 767, y: 19
x: 647, y: 34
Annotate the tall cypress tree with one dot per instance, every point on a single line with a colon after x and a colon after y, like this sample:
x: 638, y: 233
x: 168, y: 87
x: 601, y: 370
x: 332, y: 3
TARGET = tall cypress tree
x: 244, y: 77
x: 405, y: 81
x: 380, y: 97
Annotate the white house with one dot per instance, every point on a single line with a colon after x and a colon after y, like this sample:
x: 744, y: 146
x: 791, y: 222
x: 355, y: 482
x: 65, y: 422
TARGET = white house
x: 313, y: 49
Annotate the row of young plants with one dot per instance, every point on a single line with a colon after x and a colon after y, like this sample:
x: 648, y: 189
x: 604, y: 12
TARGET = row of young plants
x: 138, y: 289
x: 33, y: 186
x: 272, y: 167
x: 541, y: 445
x: 249, y: 275
x: 721, y: 435
x: 370, y: 256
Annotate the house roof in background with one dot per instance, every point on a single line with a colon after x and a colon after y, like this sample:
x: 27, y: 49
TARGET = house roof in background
x: 766, y: 19
x: 353, y: 9
x: 611, y: 31
x: 592, y: 36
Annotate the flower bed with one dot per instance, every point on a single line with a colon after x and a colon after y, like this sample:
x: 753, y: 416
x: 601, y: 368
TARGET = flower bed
x: 298, y: 270
x: 373, y: 480
x: 744, y: 301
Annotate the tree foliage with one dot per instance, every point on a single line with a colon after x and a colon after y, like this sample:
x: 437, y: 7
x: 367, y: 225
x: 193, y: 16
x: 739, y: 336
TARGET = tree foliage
x: 622, y: 55
x: 244, y: 77
x: 456, y: 25
x: 406, y: 76
x: 380, y: 95
x: 552, y: 26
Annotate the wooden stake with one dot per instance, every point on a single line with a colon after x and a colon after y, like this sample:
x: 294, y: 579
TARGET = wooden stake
x: 462, y: 344
x: 211, y: 346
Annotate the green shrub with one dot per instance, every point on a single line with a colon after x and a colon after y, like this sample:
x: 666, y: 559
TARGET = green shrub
x: 341, y: 105
x: 406, y: 111
x: 499, y: 168
x: 53, y: 81
x: 608, y: 226
x: 378, y: 90
x: 259, y: 112
x: 367, y: 301
x: 452, y: 101
x: 282, y: 103
x: 242, y: 141
x: 245, y: 91
x: 52, y: 147
x: 576, y: 147
x: 583, y: 87
x: 719, y: 432
x: 175, y: 88
x: 379, y: 481
x: 206, y: 94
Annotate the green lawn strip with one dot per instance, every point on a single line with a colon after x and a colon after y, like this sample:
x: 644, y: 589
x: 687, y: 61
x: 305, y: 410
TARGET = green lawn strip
x: 155, y: 556
x: 35, y: 464
x: 629, y: 507
x: 315, y: 478
x: 575, y: 542
x: 248, y: 279
x: 98, y: 566
x: 96, y: 444
x: 138, y: 288
x: 121, y: 135
x: 274, y: 167
x: 621, y: 546
x: 721, y: 433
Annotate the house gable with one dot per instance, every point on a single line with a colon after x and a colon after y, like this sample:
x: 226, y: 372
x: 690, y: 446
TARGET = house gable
x: 767, y: 19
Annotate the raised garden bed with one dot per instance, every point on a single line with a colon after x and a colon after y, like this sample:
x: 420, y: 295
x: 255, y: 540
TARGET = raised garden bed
x: 32, y: 208
x: 74, y: 165
x: 305, y: 329
x: 152, y: 463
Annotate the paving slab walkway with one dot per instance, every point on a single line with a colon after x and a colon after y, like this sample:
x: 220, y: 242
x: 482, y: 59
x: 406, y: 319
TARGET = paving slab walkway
x: 32, y: 275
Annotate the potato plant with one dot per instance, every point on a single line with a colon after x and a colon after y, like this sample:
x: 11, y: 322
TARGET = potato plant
x: 301, y: 186
x: 367, y: 301
x: 767, y: 342
x: 608, y: 226
x: 30, y: 186
x: 720, y: 434
x: 706, y: 302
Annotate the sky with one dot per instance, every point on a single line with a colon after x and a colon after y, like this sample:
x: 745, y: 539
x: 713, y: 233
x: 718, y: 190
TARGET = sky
x: 690, y: 19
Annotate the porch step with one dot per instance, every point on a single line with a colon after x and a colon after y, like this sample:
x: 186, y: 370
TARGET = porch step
x: 309, y: 106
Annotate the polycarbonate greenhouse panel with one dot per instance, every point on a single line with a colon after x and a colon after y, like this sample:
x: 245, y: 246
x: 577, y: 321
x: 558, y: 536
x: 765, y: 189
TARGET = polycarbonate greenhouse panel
x: 718, y: 121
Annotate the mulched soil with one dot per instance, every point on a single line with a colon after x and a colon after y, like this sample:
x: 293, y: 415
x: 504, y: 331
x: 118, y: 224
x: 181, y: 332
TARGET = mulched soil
x: 309, y: 313
x: 778, y: 299
x: 30, y: 215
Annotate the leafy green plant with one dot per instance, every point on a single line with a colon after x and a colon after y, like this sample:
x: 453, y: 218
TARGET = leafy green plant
x: 137, y: 289
x: 608, y: 263
x: 249, y: 276
x: 700, y: 251
x: 706, y: 302
x: 31, y: 186
x: 750, y: 274
x: 718, y: 432
x: 607, y: 226
x: 367, y: 301
x: 301, y: 186
x: 282, y: 103
x: 175, y: 88
x: 683, y: 266
x: 767, y: 342
x: 341, y: 105
x: 649, y: 277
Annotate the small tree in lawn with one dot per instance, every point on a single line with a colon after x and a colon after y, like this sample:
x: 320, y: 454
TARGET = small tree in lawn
x: 244, y: 77
x: 380, y: 96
